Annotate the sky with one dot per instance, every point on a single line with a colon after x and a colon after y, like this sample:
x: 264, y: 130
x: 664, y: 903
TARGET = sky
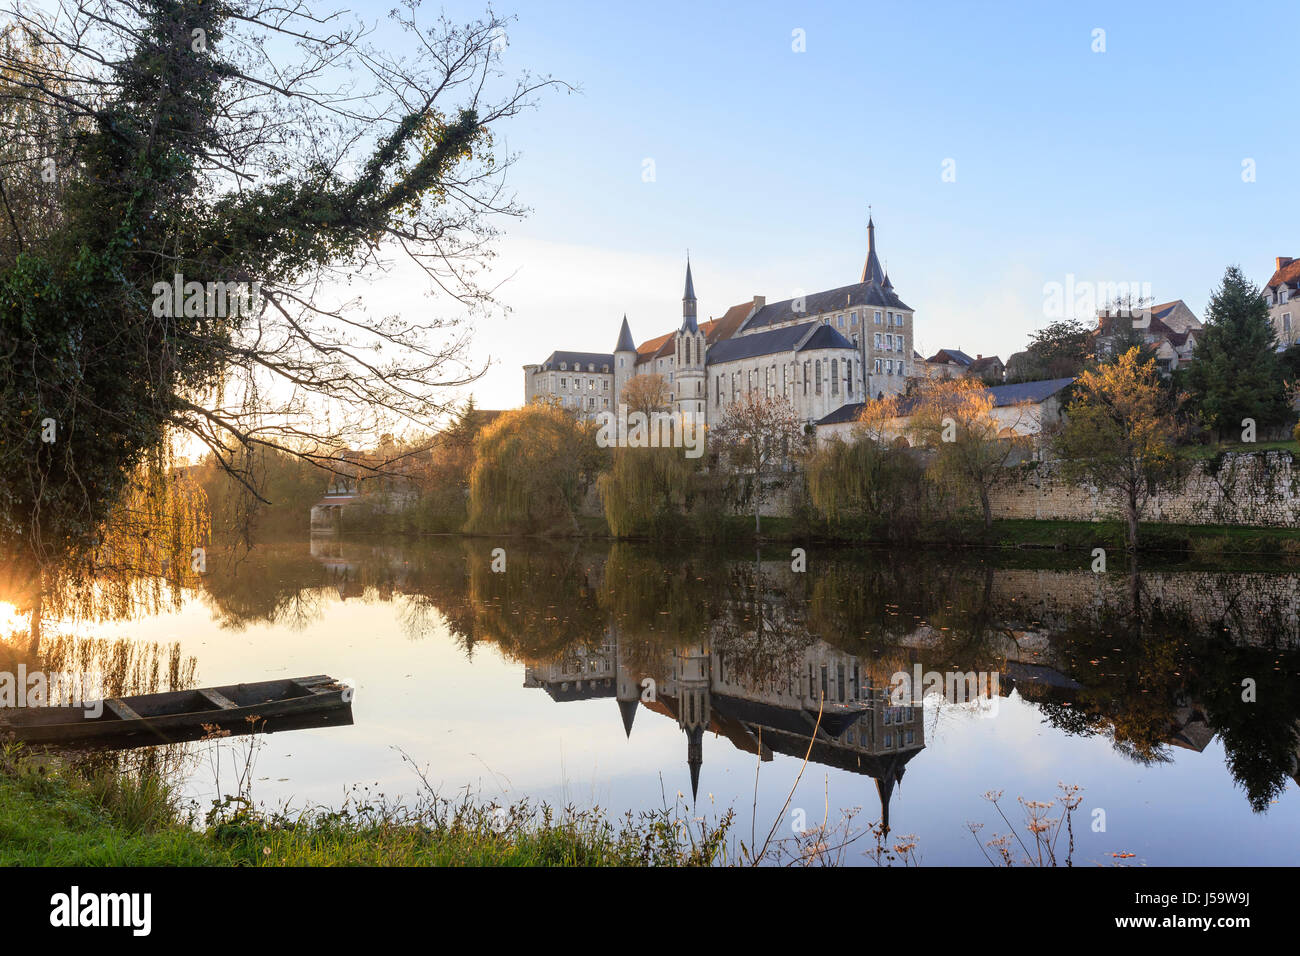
x: 1159, y: 153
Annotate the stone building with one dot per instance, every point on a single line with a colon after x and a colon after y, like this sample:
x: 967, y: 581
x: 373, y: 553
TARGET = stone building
x: 1280, y: 293
x: 819, y: 351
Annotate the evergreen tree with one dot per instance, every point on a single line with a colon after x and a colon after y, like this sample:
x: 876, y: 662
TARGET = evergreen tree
x: 1236, y: 373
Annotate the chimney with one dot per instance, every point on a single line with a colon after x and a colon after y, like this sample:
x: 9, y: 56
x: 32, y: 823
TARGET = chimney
x: 760, y: 301
x: 978, y: 356
x: 1283, y: 261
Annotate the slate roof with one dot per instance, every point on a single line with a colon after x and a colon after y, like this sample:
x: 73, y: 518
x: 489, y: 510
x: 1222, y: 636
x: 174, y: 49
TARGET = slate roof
x: 833, y: 300
x: 1003, y: 396
x: 777, y: 340
x: 845, y: 413
x: 951, y: 356
x: 604, y: 361
x: 625, y: 341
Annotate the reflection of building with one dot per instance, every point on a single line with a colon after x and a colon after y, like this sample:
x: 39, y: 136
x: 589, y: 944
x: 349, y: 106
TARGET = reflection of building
x: 858, y: 730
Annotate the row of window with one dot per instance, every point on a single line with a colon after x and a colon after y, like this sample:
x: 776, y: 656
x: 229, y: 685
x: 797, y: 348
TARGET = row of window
x: 578, y: 384
x: 891, y: 343
x: 888, y: 367
x: 788, y: 383
x: 849, y: 320
x: 1282, y: 297
x: 591, y: 367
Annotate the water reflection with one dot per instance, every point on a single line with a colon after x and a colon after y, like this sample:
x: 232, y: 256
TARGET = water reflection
x: 742, y: 651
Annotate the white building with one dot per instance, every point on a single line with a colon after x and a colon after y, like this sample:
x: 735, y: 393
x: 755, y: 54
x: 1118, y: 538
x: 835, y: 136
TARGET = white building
x: 820, y: 351
x: 1282, y: 293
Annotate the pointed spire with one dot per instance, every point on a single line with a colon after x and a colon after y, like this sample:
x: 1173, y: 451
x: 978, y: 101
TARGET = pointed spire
x: 688, y: 301
x: 625, y: 342
x: 885, y: 789
x: 628, y: 709
x: 871, y: 271
x: 695, y: 758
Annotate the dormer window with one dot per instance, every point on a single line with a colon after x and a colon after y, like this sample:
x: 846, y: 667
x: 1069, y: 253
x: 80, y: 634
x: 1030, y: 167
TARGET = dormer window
x: 564, y: 366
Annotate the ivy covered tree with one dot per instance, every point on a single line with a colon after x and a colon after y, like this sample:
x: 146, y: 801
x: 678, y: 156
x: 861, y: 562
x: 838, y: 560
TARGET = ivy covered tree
x: 187, y: 189
x: 1236, y: 373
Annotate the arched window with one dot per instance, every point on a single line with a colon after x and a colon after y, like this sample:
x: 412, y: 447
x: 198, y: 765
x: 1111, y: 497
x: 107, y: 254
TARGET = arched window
x: 835, y: 376
x: 817, y: 382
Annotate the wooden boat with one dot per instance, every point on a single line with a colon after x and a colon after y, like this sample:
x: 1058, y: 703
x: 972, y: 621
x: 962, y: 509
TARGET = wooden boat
x: 172, y: 717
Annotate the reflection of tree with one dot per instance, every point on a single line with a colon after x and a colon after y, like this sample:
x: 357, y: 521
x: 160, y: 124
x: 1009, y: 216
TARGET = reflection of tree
x: 1132, y: 658
x: 273, y: 584
x: 762, y: 630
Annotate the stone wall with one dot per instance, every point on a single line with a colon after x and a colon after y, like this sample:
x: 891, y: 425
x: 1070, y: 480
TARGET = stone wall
x: 1246, y: 488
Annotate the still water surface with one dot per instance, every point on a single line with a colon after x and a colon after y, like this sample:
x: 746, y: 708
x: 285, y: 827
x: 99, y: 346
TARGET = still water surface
x: 627, y: 677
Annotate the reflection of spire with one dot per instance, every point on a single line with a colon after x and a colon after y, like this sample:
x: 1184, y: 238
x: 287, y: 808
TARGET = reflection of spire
x: 627, y: 688
x: 628, y: 709
x: 885, y: 789
x: 695, y: 758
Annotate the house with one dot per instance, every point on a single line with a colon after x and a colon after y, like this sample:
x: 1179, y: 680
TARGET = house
x: 1170, y: 329
x: 988, y: 368
x: 947, y: 363
x: 1281, y: 295
x: 1025, y: 409
x: 952, y: 363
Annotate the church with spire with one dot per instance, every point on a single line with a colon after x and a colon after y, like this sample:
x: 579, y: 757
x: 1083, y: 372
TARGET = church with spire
x: 820, y: 351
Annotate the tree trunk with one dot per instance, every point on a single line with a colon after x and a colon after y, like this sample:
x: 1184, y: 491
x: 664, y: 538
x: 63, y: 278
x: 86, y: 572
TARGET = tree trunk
x: 988, y: 510
x: 34, y: 625
x: 1132, y: 523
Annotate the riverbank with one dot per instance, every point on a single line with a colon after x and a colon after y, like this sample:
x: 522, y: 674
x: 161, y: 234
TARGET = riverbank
x: 52, y: 815
x: 1181, y: 541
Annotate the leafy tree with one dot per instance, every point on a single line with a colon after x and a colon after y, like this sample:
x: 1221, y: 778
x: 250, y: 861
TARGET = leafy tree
x: 972, y: 445
x: 1236, y: 373
x: 754, y: 436
x: 1120, y: 433
x: 1059, y: 350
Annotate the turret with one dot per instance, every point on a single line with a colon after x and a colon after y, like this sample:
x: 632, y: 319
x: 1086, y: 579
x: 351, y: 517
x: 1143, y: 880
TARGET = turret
x: 624, y: 361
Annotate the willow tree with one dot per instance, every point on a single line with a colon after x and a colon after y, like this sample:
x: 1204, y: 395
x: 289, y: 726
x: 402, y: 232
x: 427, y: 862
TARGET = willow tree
x: 867, y: 474
x: 646, y: 486
x: 217, y: 171
x: 532, y: 469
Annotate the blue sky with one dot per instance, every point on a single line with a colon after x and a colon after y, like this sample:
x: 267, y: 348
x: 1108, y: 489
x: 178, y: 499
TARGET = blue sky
x: 1116, y: 166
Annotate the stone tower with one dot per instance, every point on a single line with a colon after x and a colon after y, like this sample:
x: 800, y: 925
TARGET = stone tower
x: 688, y: 385
x: 624, y: 361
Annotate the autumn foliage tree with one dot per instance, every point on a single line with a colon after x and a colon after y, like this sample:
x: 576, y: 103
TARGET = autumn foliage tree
x: 972, y: 446
x: 1120, y: 434
x: 646, y: 394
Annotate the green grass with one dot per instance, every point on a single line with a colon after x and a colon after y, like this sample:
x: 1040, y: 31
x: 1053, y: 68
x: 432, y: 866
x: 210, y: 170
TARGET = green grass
x: 1206, y: 452
x: 53, y: 815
